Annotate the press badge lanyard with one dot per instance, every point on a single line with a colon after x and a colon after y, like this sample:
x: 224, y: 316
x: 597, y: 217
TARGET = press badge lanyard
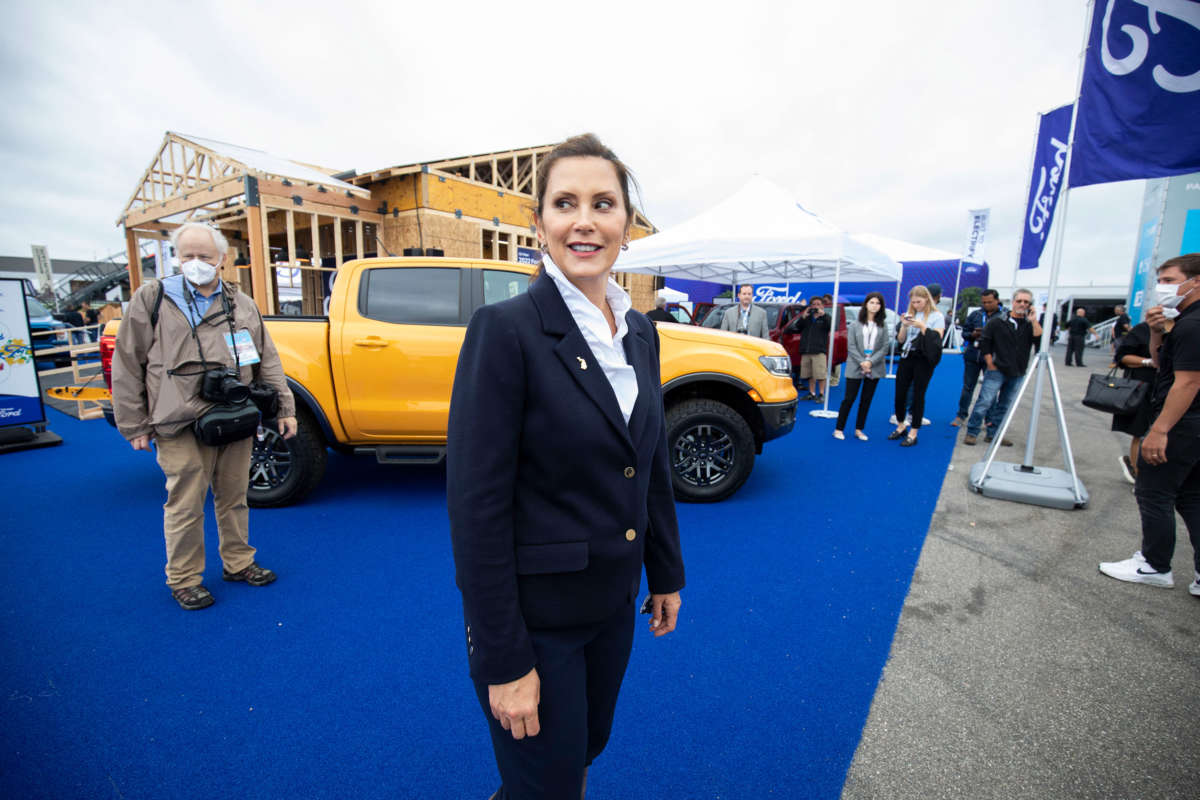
x: 195, y: 311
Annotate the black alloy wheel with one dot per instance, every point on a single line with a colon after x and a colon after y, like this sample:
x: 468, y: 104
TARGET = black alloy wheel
x: 711, y: 450
x: 284, y: 471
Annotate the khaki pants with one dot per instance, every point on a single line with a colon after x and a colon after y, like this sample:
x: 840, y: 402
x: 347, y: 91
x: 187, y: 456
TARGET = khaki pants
x: 191, y: 469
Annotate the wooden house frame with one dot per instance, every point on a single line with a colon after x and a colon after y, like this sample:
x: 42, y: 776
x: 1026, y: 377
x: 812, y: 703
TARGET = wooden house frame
x: 263, y: 205
x: 280, y: 213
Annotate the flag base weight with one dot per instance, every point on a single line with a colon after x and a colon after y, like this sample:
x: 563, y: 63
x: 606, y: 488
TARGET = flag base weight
x: 823, y: 413
x: 1039, y: 486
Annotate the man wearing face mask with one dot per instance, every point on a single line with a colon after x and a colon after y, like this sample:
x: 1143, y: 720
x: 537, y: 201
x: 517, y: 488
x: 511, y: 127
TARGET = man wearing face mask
x: 1168, y: 474
x: 175, y: 331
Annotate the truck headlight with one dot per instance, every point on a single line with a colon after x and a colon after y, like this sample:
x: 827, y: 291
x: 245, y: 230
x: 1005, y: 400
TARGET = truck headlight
x: 777, y: 365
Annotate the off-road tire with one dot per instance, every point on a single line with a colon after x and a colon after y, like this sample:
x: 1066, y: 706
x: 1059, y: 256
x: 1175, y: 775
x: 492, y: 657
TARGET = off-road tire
x: 711, y: 449
x: 284, y: 471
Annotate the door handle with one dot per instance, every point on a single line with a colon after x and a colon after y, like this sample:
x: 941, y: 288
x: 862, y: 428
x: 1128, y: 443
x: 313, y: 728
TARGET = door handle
x: 374, y: 342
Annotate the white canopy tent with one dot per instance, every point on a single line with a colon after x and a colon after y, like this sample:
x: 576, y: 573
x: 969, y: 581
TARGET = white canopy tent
x: 760, y: 233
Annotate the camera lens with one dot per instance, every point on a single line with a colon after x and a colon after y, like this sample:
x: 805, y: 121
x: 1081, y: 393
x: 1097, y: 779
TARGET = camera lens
x: 234, y: 390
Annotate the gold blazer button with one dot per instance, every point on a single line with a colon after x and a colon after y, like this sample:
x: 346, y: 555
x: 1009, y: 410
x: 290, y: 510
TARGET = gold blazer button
x: 630, y: 535
x: 630, y: 472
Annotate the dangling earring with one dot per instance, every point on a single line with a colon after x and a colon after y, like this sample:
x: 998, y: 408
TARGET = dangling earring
x: 626, y: 245
x: 542, y: 246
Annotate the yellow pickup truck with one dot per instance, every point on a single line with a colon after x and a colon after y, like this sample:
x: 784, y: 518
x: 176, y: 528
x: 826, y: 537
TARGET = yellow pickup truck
x: 375, y: 376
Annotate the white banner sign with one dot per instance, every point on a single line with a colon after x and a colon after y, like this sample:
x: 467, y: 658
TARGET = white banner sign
x: 41, y: 264
x: 20, y: 398
x: 977, y: 225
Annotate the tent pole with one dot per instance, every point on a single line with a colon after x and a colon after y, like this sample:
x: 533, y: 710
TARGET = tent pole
x: 953, y: 308
x: 891, y: 334
x: 837, y: 278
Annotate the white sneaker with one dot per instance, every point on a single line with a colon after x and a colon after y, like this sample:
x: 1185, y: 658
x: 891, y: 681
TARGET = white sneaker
x: 838, y: 434
x: 1194, y: 586
x: 892, y: 419
x: 925, y: 422
x: 1136, y: 570
x: 861, y: 435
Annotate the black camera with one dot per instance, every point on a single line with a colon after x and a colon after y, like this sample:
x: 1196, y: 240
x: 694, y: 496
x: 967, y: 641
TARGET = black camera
x: 223, y: 386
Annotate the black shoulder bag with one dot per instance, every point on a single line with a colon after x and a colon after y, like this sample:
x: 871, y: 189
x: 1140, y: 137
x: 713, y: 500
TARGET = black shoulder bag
x: 231, y: 419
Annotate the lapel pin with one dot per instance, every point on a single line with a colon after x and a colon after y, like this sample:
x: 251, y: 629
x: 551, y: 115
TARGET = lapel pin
x: 582, y: 363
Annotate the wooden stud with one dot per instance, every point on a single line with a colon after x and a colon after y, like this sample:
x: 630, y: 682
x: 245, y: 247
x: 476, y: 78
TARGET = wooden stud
x: 134, y: 254
x: 358, y: 238
x: 337, y: 241
x: 259, y: 256
x: 311, y: 283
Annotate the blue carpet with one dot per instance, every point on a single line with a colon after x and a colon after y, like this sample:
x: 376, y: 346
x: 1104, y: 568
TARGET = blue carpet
x: 346, y: 678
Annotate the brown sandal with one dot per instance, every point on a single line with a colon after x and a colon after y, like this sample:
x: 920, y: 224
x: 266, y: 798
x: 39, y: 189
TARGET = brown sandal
x: 253, y: 575
x: 192, y: 598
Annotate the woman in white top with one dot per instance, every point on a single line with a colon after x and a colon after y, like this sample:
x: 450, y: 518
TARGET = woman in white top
x: 921, y: 329
x: 866, y: 344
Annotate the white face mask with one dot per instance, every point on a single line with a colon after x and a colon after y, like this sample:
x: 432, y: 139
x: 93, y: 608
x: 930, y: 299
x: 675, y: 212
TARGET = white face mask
x: 1169, y: 299
x: 198, y: 273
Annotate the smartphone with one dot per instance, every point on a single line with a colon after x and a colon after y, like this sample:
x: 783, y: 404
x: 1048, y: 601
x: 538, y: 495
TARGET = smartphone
x: 647, y: 606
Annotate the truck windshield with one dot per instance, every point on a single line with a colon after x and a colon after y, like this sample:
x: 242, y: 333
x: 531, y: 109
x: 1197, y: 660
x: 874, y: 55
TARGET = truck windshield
x: 35, y: 307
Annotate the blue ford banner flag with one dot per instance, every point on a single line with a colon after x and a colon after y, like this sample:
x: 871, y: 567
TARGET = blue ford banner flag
x: 1049, y: 159
x: 1139, y: 101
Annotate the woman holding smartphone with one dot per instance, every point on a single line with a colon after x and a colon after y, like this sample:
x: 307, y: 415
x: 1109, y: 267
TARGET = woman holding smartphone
x: 921, y: 329
x: 866, y: 344
x: 558, y: 485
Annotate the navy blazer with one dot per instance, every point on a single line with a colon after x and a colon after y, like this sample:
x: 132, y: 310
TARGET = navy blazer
x: 555, y: 503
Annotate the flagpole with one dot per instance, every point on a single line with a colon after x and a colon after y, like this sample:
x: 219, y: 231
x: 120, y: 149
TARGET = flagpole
x: 1028, y: 185
x: 1022, y: 484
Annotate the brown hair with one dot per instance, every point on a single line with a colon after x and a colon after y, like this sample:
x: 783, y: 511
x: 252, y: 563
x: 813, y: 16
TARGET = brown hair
x: 880, y: 315
x: 1188, y: 264
x: 585, y: 145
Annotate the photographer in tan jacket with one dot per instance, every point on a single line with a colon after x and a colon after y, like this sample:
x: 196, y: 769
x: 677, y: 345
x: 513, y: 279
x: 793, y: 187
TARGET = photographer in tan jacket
x: 176, y: 330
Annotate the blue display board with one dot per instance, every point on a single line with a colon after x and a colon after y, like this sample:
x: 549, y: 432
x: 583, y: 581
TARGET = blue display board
x: 20, y: 391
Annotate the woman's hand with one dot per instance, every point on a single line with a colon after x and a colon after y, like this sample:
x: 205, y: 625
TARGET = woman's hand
x: 866, y: 365
x: 515, y: 704
x: 664, y: 612
x: 142, y: 442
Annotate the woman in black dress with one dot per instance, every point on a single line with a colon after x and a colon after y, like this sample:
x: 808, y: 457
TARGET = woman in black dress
x: 1133, y: 353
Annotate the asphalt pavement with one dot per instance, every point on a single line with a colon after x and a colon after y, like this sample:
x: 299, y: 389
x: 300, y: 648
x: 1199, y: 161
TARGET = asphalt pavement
x: 1018, y: 670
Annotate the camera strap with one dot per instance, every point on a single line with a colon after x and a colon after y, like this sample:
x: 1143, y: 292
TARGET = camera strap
x: 227, y: 307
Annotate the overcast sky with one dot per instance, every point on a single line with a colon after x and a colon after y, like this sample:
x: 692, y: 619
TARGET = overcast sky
x: 884, y: 117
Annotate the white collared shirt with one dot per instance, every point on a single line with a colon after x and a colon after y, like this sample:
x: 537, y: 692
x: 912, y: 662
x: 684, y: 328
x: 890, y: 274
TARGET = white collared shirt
x: 869, y: 337
x: 607, y: 348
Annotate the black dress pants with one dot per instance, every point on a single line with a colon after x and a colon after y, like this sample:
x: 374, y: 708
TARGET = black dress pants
x: 915, y: 371
x: 1163, y: 489
x: 1075, y: 346
x: 581, y: 670
x: 868, y: 392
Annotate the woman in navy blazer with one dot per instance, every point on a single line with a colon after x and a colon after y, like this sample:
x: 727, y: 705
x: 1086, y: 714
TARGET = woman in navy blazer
x: 866, y: 345
x: 559, y: 486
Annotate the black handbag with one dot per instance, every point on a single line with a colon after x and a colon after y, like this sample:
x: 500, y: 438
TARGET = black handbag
x: 1113, y: 394
x: 931, y: 347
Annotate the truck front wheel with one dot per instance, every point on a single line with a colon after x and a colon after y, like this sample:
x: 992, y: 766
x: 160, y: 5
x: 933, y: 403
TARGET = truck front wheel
x: 711, y: 448
x: 284, y: 471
